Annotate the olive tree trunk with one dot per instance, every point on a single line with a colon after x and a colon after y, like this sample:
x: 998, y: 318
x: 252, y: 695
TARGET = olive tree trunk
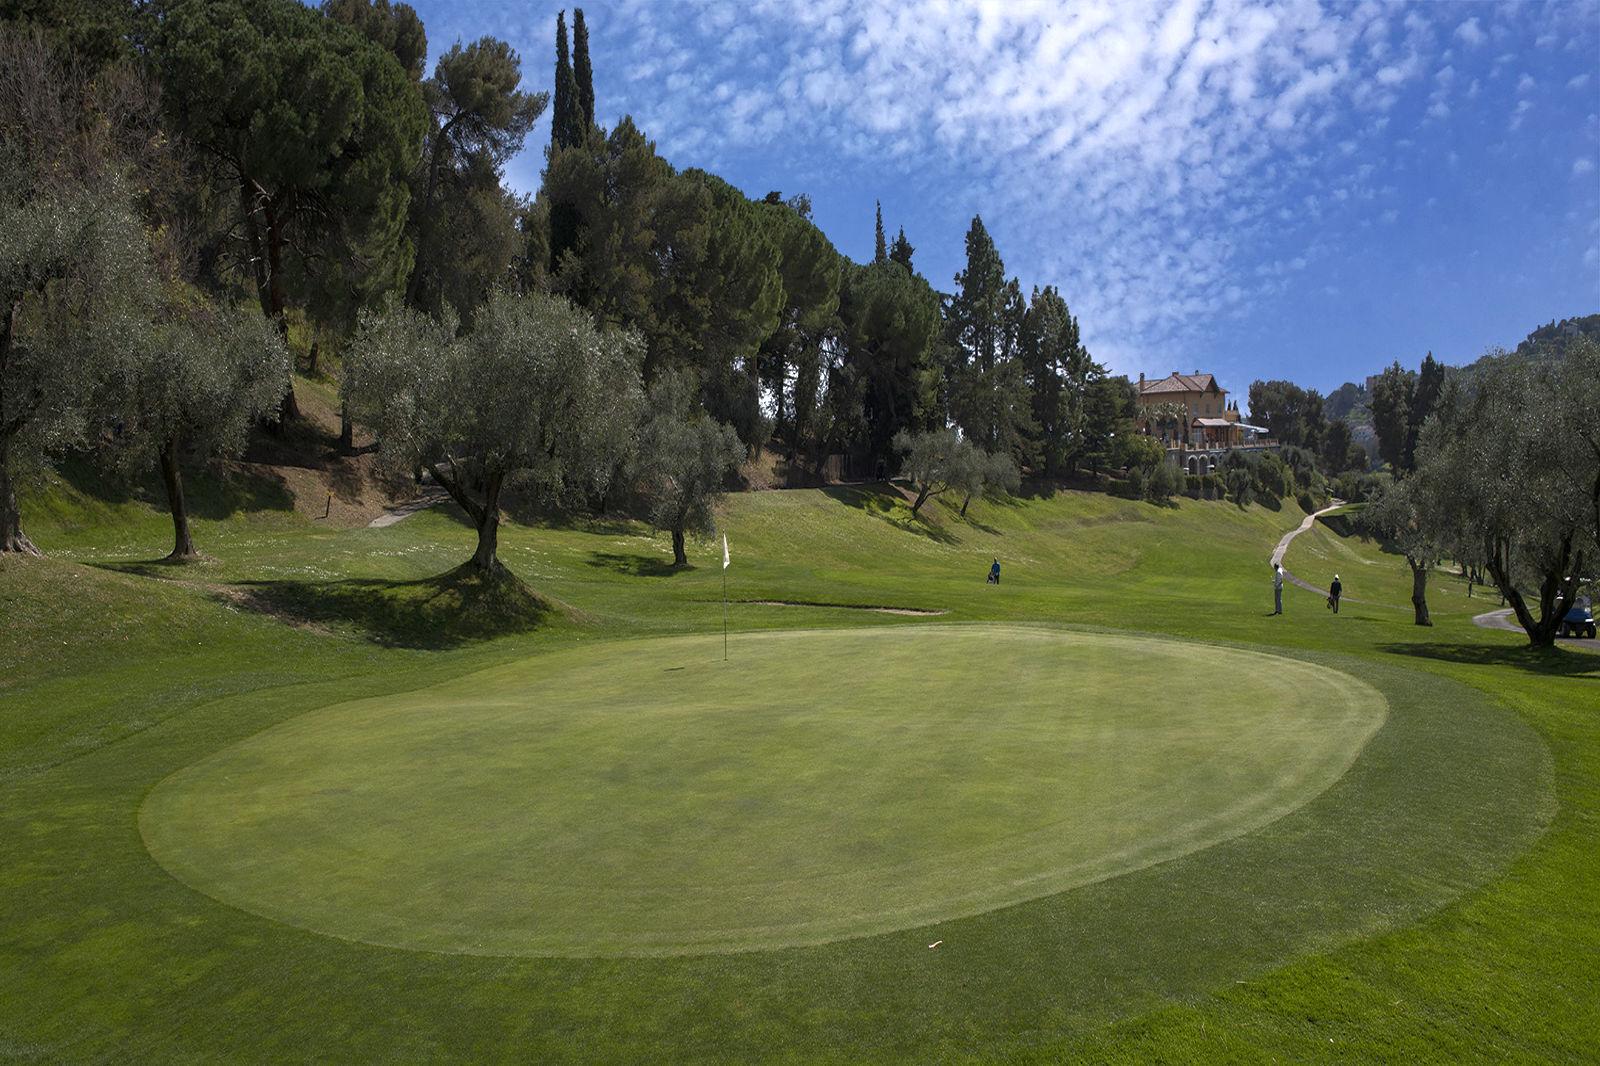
x: 1558, y: 585
x: 679, y: 556
x: 347, y: 430
x: 1419, y: 591
x: 924, y: 494
x: 12, y: 539
x: 270, y: 279
x: 485, y: 514
x: 182, y: 543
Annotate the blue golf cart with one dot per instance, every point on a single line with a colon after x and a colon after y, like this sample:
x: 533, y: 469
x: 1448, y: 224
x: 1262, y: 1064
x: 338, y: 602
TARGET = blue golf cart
x: 1579, y: 620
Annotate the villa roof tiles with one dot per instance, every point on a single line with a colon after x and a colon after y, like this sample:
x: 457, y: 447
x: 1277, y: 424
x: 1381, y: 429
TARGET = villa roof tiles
x: 1180, y: 383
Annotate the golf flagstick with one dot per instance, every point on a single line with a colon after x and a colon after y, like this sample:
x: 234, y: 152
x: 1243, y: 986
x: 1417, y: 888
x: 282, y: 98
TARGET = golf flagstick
x: 724, y: 597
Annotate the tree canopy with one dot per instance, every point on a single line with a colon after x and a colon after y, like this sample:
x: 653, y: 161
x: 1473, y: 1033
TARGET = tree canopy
x: 1512, y: 449
x: 319, y: 128
x: 684, y: 459
x: 534, y: 392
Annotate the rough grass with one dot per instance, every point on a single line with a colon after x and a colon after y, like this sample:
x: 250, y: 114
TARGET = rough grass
x: 1404, y: 914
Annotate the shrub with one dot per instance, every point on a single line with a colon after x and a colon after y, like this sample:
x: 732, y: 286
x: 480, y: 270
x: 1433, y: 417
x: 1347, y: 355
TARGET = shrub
x: 1241, y: 486
x: 1136, y: 482
x: 1273, y: 479
x: 1164, y: 482
x: 1136, y: 450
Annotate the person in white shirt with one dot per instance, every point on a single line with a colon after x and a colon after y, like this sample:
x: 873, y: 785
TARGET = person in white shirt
x: 1277, y: 588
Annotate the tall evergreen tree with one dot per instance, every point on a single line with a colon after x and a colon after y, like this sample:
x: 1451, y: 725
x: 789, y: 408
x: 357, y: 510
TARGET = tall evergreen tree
x: 395, y: 27
x: 320, y: 127
x: 889, y: 323
x: 1058, y: 370
x: 583, y: 74
x: 986, y: 388
x: 565, y: 104
x: 977, y: 310
x: 880, y: 251
x: 461, y: 221
x: 1424, y: 398
x: 901, y: 250
x: 1391, y: 414
x: 791, y: 359
x: 563, y: 135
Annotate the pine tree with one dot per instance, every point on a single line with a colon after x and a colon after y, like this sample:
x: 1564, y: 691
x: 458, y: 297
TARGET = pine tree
x: 988, y: 391
x: 880, y: 252
x: 977, y: 309
x: 901, y: 250
x: 1059, y: 372
x: 582, y: 72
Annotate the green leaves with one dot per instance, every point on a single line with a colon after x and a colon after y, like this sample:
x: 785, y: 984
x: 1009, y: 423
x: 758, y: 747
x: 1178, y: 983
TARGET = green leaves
x: 320, y: 126
x: 534, y: 389
x: 684, y: 457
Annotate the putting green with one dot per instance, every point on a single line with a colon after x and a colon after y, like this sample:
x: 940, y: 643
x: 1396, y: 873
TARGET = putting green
x: 646, y: 798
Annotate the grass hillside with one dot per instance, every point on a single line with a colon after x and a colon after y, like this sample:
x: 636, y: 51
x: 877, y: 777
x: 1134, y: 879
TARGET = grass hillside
x: 1436, y: 903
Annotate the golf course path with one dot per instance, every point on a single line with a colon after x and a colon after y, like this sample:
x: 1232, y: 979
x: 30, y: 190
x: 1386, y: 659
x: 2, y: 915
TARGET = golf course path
x: 1501, y: 619
x: 399, y: 513
x: 1288, y: 538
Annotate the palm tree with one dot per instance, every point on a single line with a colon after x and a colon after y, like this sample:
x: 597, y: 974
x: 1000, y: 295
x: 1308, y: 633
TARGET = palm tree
x: 1170, y: 416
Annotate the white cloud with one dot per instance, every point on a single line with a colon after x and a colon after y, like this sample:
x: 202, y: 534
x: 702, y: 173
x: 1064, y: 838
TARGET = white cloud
x: 1581, y: 166
x: 1578, y: 82
x: 1471, y: 33
x: 1525, y: 83
x: 1134, y: 152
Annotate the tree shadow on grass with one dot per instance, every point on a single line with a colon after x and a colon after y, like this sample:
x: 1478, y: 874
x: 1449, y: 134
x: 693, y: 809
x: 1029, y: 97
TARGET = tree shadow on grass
x: 1551, y: 662
x: 447, y: 611
x: 158, y: 568
x: 211, y: 490
x: 884, y: 502
x: 636, y: 565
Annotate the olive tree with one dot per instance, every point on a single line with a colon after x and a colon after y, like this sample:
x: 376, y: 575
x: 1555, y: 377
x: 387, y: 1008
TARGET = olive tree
x: 975, y: 472
x: 535, y: 392
x: 940, y: 460
x: 1399, y: 519
x: 1522, y: 480
x: 203, y: 375
x: 684, y: 458
x: 74, y: 263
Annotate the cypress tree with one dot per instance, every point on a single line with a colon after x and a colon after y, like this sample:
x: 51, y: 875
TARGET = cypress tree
x: 582, y: 72
x: 564, y: 133
x: 901, y: 250
x: 564, y: 115
x: 880, y: 251
x: 1430, y: 383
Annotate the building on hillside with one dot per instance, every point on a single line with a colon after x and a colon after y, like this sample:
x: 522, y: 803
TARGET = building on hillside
x: 1211, y: 418
x: 1211, y: 424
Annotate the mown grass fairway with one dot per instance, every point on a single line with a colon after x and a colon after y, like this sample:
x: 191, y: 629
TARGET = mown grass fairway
x: 645, y: 797
x: 1435, y: 901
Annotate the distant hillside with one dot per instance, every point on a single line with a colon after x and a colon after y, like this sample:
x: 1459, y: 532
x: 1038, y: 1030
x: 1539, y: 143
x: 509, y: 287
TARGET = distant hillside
x: 1352, y: 400
x: 1552, y: 341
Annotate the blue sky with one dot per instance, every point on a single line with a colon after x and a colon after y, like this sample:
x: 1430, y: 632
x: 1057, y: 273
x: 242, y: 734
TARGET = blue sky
x: 1295, y: 190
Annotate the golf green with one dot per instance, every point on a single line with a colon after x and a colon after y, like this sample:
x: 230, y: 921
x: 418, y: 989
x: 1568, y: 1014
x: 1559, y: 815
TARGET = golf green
x: 648, y: 798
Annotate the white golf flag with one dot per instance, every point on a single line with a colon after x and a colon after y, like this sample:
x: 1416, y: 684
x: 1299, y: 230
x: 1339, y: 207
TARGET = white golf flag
x: 724, y: 551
